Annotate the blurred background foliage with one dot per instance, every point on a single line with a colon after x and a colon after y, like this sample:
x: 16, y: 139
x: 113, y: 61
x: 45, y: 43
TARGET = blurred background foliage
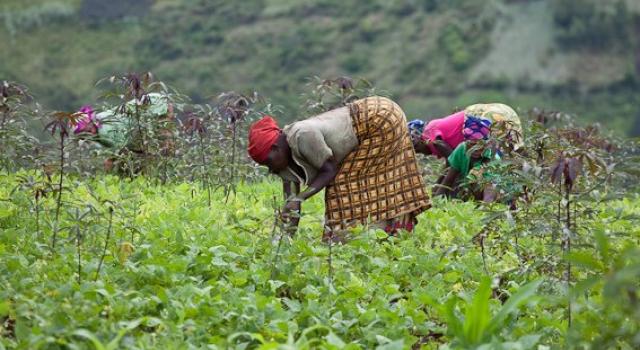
x: 432, y: 56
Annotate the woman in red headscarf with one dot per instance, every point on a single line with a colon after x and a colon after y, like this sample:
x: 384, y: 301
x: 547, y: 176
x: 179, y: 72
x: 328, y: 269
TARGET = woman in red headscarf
x: 361, y: 154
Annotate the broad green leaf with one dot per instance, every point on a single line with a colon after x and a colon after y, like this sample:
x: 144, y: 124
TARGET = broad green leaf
x: 333, y: 339
x: 584, y: 286
x: 245, y: 335
x: 454, y: 324
x: 393, y: 345
x: 5, y: 306
x: 529, y: 341
x: 602, y: 243
x: 584, y: 259
x: 113, y: 344
x: 522, y: 296
x: 87, y: 335
x: 477, y: 314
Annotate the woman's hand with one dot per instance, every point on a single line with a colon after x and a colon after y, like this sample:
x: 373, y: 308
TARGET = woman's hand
x: 291, y: 215
x: 445, y: 187
x: 443, y: 148
x: 291, y: 209
x: 326, y: 174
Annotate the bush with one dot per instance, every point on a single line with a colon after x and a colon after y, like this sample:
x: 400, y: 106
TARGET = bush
x: 35, y: 16
x: 355, y: 63
x: 453, y: 43
x: 591, y: 24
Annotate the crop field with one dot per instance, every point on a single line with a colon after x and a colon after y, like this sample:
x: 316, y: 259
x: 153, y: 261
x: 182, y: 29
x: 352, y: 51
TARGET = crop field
x: 157, y: 268
x: 185, y: 250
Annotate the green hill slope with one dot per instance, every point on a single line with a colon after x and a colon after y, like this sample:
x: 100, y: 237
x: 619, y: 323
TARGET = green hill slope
x: 432, y: 56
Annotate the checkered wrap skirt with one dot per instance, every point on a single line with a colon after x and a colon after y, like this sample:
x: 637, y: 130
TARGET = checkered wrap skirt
x: 379, y: 181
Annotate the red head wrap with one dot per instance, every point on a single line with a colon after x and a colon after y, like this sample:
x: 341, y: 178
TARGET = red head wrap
x: 262, y: 135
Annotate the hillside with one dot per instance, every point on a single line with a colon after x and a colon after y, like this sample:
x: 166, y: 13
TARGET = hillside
x: 432, y: 56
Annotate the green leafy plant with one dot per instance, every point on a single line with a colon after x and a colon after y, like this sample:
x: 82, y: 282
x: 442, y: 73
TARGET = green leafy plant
x: 150, y: 139
x: 479, y: 325
x: 176, y: 267
x: 37, y: 188
x: 106, y: 241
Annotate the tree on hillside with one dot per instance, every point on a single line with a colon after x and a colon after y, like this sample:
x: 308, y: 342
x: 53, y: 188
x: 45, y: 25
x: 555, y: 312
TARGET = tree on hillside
x: 591, y: 24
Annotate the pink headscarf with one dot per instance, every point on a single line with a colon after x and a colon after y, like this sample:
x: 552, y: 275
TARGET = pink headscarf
x: 88, y: 117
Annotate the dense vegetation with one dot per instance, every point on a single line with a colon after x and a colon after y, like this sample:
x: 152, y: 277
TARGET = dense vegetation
x: 184, y: 249
x: 181, y: 246
x: 174, y: 275
x: 581, y: 57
